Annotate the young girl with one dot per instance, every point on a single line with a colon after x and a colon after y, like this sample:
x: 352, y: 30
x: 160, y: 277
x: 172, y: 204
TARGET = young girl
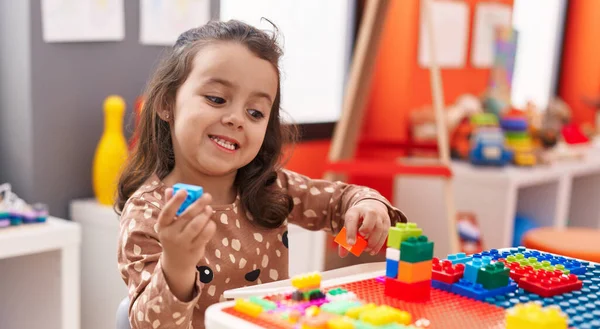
x: 211, y: 118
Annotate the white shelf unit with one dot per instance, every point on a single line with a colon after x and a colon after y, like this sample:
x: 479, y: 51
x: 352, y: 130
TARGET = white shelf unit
x: 39, y: 271
x: 558, y: 195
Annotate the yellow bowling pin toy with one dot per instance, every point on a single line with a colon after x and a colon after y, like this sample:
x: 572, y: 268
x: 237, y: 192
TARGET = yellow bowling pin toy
x: 111, y: 152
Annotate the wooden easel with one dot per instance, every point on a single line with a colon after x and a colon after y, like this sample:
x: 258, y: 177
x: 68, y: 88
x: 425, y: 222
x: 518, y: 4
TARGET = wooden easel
x: 345, y: 137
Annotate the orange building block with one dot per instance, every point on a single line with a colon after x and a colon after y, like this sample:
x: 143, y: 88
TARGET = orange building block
x: 358, y: 247
x: 414, y: 272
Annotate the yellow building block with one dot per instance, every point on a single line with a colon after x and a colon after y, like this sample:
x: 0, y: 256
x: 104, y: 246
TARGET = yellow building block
x: 307, y: 281
x: 399, y: 316
x: 340, y: 322
x: 414, y: 272
x: 534, y: 316
x: 355, y: 312
x: 247, y: 307
x: 312, y: 311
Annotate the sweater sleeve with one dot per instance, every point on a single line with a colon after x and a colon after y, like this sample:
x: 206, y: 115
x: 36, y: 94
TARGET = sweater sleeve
x: 320, y: 204
x: 152, y: 304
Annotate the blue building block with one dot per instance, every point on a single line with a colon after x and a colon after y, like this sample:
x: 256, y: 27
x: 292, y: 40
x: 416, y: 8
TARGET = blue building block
x: 459, y: 258
x: 441, y: 285
x: 477, y: 292
x: 391, y: 268
x: 193, y: 193
x: 581, y: 306
x: 472, y: 267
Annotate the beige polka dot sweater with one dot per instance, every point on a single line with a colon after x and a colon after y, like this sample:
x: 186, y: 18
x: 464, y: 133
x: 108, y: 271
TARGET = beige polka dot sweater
x: 240, y: 254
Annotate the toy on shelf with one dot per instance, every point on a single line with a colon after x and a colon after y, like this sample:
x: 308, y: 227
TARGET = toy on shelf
x: 357, y: 248
x: 15, y: 211
x: 518, y: 139
x: 491, y: 289
x: 487, y: 142
x: 111, y: 152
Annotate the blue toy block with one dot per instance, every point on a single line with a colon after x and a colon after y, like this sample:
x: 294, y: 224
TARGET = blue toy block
x: 391, y: 268
x: 472, y: 267
x: 441, y: 285
x: 477, y: 292
x: 459, y: 258
x: 193, y: 193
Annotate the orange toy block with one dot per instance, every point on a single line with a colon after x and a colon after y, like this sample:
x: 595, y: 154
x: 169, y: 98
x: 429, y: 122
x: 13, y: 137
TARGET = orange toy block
x: 358, y: 246
x: 414, y: 272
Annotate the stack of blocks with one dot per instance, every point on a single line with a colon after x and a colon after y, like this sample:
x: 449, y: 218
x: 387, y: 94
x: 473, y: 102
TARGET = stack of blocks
x: 408, y: 263
x: 308, y: 287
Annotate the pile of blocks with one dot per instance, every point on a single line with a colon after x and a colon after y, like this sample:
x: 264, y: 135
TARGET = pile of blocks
x: 409, y: 257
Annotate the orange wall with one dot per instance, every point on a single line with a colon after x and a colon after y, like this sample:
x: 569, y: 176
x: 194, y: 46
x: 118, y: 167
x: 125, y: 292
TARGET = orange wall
x: 399, y: 85
x: 580, y: 71
x: 309, y: 158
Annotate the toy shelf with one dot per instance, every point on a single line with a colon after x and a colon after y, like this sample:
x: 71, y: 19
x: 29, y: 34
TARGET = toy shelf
x: 559, y: 195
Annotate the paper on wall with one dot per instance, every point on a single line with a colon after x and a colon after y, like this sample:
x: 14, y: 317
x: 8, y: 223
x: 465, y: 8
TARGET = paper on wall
x: 82, y: 20
x: 488, y: 17
x: 450, y: 31
x: 162, y: 21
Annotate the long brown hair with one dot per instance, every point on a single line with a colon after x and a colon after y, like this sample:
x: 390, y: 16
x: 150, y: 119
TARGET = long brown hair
x: 268, y: 205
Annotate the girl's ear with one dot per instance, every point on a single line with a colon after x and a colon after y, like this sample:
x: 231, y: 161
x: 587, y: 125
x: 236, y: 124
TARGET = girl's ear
x: 165, y: 115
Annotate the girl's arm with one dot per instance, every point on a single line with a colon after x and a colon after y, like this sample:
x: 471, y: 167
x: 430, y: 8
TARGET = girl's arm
x: 152, y: 304
x: 320, y: 204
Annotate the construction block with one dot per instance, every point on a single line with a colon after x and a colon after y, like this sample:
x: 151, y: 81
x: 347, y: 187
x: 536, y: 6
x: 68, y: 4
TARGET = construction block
x: 414, y: 272
x: 392, y: 253
x: 534, y: 316
x: 415, y: 250
x: 402, y: 231
x: 459, y: 258
x: 477, y: 292
x: 440, y: 285
x: 193, y: 193
x: 548, y: 284
x: 339, y: 307
x: 247, y: 307
x: 340, y: 323
x: 391, y: 268
x: 410, y: 292
x: 472, y: 267
x: 305, y: 282
x: 266, y: 305
x: 384, y: 315
x: 356, y: 249
x: 493, y: 276
x: 444, y: 271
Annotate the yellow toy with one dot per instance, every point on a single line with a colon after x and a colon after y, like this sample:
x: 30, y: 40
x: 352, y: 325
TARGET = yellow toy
x: 534, y: 316
x: 111, y: 152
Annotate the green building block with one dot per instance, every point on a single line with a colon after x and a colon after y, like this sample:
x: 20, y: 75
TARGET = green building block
x: 493, y: 276
x: 415, y: 250
x: 401, y: 232
x: 267, y: 305
x: 337, y: 291
x: 339, y: 307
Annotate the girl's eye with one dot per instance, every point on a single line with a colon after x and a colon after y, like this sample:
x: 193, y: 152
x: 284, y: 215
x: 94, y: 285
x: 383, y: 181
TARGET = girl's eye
x: 256, y: 114
x: 216, y: 100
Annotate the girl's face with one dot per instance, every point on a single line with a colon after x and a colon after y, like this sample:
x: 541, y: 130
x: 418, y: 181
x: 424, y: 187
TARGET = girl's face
x: 222, y: 109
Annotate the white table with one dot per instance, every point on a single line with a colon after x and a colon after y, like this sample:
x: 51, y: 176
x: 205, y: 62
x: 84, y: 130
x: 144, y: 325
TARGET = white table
x: 563, y: 194
x: 39, y: 275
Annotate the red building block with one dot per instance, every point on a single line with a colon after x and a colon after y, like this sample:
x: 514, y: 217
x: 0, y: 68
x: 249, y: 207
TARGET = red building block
x: 548, y: 284
x: 444, y: 271
x: 358, y: 247
x: 410, y: 292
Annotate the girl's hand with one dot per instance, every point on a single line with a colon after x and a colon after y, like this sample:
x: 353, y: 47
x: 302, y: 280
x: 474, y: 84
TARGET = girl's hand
x: 184, y: 239
x: 375, y: 225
